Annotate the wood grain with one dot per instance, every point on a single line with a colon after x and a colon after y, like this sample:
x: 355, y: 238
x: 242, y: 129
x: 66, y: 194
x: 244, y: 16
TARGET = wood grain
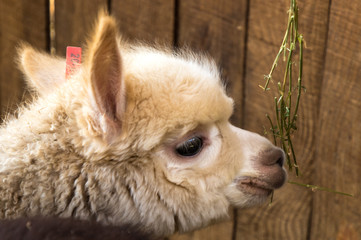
x: 17, y: 21
x: 289, y: 215
x: 74, y: 21
x: 149, y: 21
x: 339, y: 133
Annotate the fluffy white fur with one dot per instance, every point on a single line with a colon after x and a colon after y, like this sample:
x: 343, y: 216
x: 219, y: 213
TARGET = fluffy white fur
x: 102, y: 144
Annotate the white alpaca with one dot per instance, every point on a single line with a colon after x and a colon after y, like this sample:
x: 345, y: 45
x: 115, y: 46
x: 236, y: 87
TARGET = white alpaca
x: 138, y: 136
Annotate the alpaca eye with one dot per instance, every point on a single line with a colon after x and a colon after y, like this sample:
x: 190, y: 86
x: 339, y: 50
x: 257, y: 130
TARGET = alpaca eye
x: 191, y: 147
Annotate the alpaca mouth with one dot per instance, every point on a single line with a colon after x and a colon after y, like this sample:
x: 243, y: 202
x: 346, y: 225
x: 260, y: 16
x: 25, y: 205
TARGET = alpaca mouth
x: 254, y: 186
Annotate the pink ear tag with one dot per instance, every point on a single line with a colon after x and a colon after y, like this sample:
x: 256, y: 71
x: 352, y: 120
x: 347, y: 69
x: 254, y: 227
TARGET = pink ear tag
x: 73, y: 60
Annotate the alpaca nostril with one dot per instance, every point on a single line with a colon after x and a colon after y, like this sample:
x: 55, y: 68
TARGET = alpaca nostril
x: 278, y: 157
x: 280, y: 161
x: 273, y: 156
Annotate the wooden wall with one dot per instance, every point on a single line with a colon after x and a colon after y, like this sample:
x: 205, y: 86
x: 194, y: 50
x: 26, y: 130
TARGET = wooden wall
x: 243, y: 36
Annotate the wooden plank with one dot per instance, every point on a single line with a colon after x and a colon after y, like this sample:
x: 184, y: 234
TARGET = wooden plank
x: 145, y: 20
x: 17, y: 21
x: 74, y: 21
x: 218, y: 29
x: 289, y: 215
x: 339, y: 135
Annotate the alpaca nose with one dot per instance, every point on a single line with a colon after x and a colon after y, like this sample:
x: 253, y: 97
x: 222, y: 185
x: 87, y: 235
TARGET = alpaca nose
x: 272, y: 156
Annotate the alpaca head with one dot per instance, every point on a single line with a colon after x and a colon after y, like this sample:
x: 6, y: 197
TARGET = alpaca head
x: 155, y: 123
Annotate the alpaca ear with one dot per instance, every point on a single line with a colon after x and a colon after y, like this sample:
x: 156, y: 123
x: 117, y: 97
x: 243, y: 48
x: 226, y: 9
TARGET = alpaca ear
x: 43, y: 72
x: 105, y: 78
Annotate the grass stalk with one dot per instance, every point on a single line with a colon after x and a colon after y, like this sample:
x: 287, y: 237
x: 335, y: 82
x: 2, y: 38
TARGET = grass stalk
x: 314, y: 188
x: 286, y: 115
